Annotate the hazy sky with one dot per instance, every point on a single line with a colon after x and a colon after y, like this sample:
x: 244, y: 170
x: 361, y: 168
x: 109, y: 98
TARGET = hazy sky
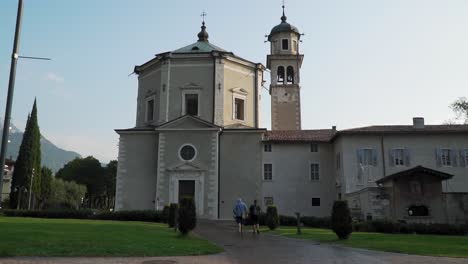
x: 366, y: 61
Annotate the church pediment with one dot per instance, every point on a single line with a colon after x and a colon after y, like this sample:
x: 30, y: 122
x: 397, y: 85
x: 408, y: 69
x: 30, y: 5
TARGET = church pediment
x: 186, y: 166
x: 188, y: 122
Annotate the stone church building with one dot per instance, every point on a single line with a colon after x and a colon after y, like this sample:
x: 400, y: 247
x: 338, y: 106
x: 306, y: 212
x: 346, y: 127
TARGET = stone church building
x: 197, y: 134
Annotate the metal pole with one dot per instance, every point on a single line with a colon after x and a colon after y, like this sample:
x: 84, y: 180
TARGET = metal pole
x: 30, y: 190
x: 11, y: 87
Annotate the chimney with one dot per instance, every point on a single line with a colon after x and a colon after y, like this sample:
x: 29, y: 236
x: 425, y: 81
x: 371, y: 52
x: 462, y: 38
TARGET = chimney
x: 418, y: 122
x: 334, y: 128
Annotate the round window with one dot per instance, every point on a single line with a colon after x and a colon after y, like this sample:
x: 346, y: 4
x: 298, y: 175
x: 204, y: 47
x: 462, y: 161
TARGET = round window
x: 187, y: 152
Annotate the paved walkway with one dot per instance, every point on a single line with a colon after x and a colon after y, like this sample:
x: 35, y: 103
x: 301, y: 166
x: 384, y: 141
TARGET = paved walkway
x: 262, y: 248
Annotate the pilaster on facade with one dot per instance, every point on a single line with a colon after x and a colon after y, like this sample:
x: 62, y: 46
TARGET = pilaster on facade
x: 219, y: 92
x: 121, y: 174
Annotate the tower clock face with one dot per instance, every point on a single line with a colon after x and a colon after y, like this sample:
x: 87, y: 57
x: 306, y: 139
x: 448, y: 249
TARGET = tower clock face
x: 187, y: 153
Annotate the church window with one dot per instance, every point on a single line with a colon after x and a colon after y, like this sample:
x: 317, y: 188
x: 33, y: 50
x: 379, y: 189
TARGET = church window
x: 150, y: 110
x: 187, y: 152
x: 268, y: 172
x: 191, y: 104
x: 268, y: 201
x: 314, y: 172
x: 294, y: 46
x: 267, y: 147
x: 290, y: 75
x: 285, y: 44
x: 315, y: 201
x: 313, y: 147
x: 280, y: 74
x: 239, y: 109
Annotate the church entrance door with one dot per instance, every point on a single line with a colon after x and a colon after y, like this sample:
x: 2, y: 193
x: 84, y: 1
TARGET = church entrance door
x: 186, y: 189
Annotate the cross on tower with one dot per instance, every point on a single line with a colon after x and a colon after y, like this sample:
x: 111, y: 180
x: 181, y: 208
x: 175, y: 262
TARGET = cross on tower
x: 203, y: 15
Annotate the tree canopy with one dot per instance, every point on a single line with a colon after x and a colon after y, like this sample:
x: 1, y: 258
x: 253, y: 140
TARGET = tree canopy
x: 460, y: 107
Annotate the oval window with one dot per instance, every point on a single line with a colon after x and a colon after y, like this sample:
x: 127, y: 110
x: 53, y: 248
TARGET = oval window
x: 187, y: 152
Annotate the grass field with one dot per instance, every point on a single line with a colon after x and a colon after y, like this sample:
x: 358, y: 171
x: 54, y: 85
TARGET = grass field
x: 430, y: 245
x: 69, y: 237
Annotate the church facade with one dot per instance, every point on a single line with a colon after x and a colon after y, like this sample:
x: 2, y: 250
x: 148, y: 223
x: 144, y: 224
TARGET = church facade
x: 197, y: 134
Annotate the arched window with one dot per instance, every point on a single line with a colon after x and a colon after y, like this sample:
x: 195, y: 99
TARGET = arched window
x: 290, y: 75
x: 280, y: 74
x: 418, y: 210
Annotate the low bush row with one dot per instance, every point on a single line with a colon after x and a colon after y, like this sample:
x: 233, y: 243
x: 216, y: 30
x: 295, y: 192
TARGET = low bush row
x: 390, y: 227
x: 143, y: 215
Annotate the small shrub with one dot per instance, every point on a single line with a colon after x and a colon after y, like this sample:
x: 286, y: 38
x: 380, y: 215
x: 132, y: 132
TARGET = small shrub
x: 171, y: 220
x: 272, y: 218
x: 341, y: 220
x: 187, y: 216
x: 165, y: 214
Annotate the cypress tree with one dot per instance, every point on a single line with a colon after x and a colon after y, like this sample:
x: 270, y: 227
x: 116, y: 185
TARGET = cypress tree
x: 29, y: 158
x: 36, y: 134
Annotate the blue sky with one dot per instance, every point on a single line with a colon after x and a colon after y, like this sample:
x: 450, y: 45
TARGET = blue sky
x: 366, y: 61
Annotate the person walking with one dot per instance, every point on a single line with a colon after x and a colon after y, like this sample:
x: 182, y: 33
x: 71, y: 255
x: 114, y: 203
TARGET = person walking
x: 240, y: 211
x: 254, y: 213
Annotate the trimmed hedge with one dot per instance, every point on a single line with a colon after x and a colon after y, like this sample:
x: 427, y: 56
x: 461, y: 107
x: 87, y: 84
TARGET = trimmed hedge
x: 143, y: 215
x: 390, y: 227
x: 316, y: 222
x: 75, y: 214
x: 272, y: 217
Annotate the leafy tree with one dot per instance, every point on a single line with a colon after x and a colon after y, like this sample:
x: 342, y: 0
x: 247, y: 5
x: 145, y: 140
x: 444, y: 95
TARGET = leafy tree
x: 29, y: 160
x: 460, y: 107
x: 65, y: 195
x: 341, y: 220
x: 86, y: 171
x: 272, y: 217
x: 110, y: 175
x: 187, y: 216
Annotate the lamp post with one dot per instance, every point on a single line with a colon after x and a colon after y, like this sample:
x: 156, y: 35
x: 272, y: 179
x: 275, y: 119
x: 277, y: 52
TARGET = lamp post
x: 19, y: 189
x: 11, y: 87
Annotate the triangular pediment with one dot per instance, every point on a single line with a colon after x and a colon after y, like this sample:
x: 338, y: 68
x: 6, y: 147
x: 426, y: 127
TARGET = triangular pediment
x: 190, y: 85
x: 239, y: 90
x: 188, y: 122
x: 186, y: 166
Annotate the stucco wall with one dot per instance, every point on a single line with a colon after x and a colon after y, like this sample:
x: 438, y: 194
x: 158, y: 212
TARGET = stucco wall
x: 240, y: 169
x: 136, y: 171
x: 422, y: 152
x: 237, y: 76
x: 291, y: 188
x: 149, y: 86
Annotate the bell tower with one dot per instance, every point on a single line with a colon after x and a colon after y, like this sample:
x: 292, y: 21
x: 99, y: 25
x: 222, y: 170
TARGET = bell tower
x: 284, y: 62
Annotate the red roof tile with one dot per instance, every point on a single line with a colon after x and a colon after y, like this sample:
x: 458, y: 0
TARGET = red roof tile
x: 407, y: 129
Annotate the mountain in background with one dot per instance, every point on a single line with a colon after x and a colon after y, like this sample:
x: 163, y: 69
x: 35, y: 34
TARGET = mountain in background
x: 53, y: 157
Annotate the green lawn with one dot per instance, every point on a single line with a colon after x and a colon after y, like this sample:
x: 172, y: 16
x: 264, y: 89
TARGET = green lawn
x: 430, y: 245
x: 69, y: 237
